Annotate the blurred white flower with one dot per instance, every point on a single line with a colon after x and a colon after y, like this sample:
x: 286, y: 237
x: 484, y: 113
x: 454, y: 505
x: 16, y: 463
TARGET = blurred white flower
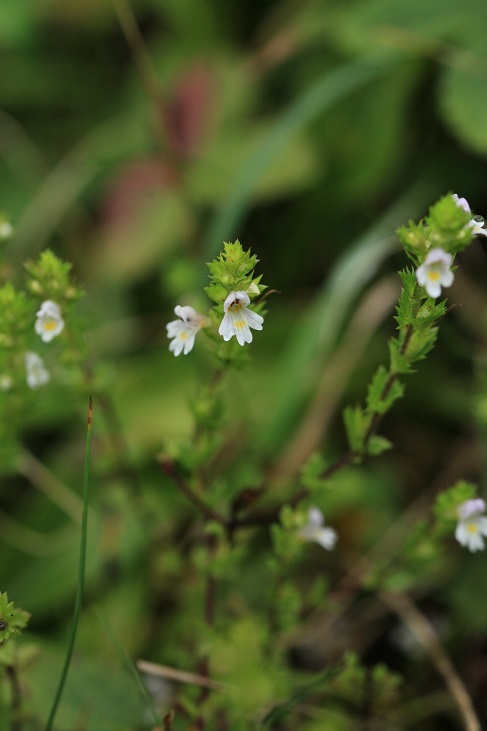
x: 6, y: 382
x: 315, y: 530
x: 37, y: 373
x: 49, y: 321
x: 183, y: 331
x: 238, y: 319
x: 472, y: 524
x: 477, y: 222
x: 6, y: 230
x: 461, y: 203
x: 435, y: 273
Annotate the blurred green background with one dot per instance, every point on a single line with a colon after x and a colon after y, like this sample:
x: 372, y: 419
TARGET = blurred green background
x: 136, y: 137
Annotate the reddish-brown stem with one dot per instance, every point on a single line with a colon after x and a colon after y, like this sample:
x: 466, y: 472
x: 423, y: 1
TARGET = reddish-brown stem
x: 209, y: 614
x: 170, y: 468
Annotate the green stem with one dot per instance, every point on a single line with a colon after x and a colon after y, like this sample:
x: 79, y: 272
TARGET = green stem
x: 81, y: 573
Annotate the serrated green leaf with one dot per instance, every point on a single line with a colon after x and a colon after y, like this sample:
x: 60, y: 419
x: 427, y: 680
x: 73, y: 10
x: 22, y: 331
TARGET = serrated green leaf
x: 408, y: 279
x: 12, y: 620
x: 216, y: 292
x: 356, y: 424
x: 376, y: 388
x: 420, y: 344
x: 399, y: 364
x: 447, y: 502
x: 429, y: 313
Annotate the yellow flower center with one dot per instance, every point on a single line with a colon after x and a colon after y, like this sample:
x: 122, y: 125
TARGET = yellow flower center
x: 50, y: 325
x: 433, y: 275
x: 239, y: 324
x: 472, y: 527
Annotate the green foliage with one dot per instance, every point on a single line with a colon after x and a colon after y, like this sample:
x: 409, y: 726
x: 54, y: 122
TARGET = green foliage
x: 233, y: 271
x: 355, y: 683
x: 49, y: 278
x: 357, y: 423
x: 293, y: 127
x: 446, y: 227
x: 312, y: 472
x: 383, y: 392
x: 447, y: 503
x: 12, y: 619
x: 448, y: 224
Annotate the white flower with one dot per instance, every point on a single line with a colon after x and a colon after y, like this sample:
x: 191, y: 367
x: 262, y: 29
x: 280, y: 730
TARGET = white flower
x: 37, y: 374
x: 461, y: 203
x: 238, y: 319
x: 6, y: 382
x: 49, y: 322
x: 183, y: 331
x: 472, y: 525
x: 6, y: 230
x: 434, y: 273
x: 477, y: 222
x: 315, y: 530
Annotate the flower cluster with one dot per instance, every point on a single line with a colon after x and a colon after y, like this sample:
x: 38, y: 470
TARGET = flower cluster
x: 472, y: 524
x: 231, y: 288
x: 48, y: 325
x: 435, y: 271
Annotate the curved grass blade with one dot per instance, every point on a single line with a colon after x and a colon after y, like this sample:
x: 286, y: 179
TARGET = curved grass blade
x: 81, y: 573
x: 127, y: 661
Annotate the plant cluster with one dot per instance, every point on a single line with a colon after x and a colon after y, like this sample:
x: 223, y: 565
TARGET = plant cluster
x: 241, y: 650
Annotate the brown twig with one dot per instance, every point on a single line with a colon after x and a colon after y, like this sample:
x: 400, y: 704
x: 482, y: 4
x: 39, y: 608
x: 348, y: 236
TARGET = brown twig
x: 348, y: 458
x: 177, y: 676
x: 170, y: 468
x: 415, y: 620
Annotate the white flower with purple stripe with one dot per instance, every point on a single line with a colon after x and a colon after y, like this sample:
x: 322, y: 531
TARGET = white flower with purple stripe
x: 238, y: 319
x: 184, y: 330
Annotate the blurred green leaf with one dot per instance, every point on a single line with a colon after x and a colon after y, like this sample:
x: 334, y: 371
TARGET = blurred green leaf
x: 463, y: 100
x: 313, y: 101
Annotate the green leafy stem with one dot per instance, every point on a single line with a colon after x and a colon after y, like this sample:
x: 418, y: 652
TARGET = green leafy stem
x: 417, y: 317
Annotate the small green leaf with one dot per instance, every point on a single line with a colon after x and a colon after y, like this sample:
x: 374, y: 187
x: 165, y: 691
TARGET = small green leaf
x: 376, y: 445
x: 420, y: 344
x: 376, y: 388
x: 399, y: 363
x: 356, y: 424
